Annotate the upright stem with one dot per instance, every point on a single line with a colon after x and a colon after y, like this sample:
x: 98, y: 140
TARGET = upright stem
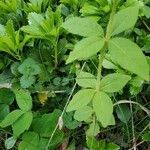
x: 104, y: 49
x: 56, y: 52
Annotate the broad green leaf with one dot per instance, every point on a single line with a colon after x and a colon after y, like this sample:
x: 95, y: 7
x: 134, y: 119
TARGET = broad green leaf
x: 23, y: 123
x: 11, y: 118
x: 112, y: 146
x: 146, y: 136
x: 93, y: 130
x: 125, y: 19
x: 94, y: 144
x: 112, y: 120
x: 86, y: 48
x: 24, y: 99
x: 4, y: 111
x: 45, y: 124
x: 129, y: 56
x: 146, y: 11
x: 114, y: 82
x: 10, y: 142
x: 56, y: 140
x: 30, y: 141
x: 83, y: 27
x: 136, y: 85
x: 26, y: 81
x: 29, y: 67
x: 123, y: 113
x: 83, y: 114
x: 103, y: 108
x: 85, y: 79
x: 69, y: 121
x: 80, y: 99
x: 34, y: 27
x: 42, y: 26
x: 6, y: 96
x: 89, y: 9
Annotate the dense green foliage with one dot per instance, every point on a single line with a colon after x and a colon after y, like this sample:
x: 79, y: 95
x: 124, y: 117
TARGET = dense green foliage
x: 74, y: 74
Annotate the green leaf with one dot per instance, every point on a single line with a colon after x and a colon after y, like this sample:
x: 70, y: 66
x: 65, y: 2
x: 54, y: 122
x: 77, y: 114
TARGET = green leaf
x: 27, y: 81
x: 146, y: 136
x: 80, y: 99
x: 114, y: 82
x: 2, y: 30
x: 86, y: 80
x: 4, y: 111
x: 83, y: 27
x: 10, y: 142
x: 86, y: 48
x: 6, y: 96
x: 29, y: 67
x: 45, y: 124
x: 10, y: 30
x: 146, y: 11
x: 69, y: 121
x: 129, y: 56
x: 24, y: 99
x: 103, y: 108
x: 93, y: 130
x: 112, y: 146
x: 83, y: 114
x: 122, y: 21
x: 112, y: 120
x: 94, y: 144
x: 21, y: 124
x: 30, y: 140
x: 123, y: 113
x: 56, y: 140
x: 41, y: 26
x: 11, y: 118
x: 34, y: 27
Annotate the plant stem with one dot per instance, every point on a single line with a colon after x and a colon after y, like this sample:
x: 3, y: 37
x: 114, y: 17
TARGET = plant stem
x: 104, y: 49
x: 56, y: 52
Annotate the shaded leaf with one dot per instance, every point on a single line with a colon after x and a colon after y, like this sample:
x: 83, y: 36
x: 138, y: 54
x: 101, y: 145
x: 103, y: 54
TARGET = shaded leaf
x: 30, y: 140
